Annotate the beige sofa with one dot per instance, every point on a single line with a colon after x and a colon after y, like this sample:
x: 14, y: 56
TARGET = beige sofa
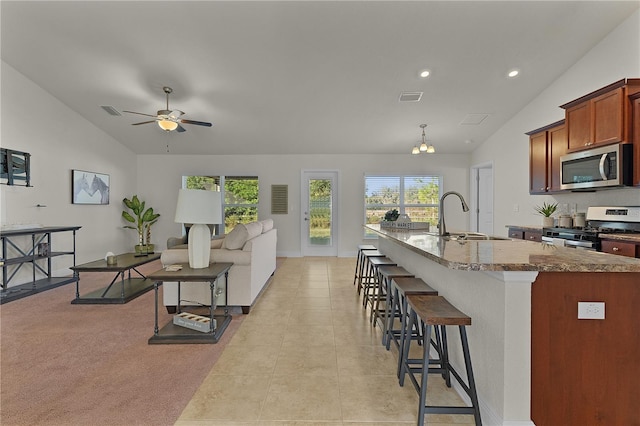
x: 250, y: 247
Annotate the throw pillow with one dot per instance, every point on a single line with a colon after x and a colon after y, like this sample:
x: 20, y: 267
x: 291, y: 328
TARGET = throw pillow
x: 235, y: 239
x: 267, y: 225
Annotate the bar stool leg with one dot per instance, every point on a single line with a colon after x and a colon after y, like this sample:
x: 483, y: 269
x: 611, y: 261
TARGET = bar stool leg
x: 425, y: 374
x: 472, y: 382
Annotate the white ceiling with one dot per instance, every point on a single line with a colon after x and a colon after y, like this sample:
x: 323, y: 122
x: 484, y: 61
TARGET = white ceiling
x: 301, y: 77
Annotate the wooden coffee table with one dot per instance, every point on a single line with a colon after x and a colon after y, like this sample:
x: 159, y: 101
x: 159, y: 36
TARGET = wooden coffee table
x: 172, y: 333
x: 129, y: 288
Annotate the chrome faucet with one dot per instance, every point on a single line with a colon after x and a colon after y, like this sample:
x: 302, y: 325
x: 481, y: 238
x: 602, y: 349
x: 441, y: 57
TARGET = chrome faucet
x: 442, y: 228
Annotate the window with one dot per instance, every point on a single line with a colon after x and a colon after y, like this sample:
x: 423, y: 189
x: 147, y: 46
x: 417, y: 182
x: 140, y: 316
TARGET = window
x: 416, y: 196
x: 239, y: 195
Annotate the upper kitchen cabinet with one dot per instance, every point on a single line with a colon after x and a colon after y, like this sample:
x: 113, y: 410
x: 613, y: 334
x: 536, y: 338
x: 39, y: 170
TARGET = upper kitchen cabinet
x: 546, y: 145
x: 635, y: 107
x: 602, y: 117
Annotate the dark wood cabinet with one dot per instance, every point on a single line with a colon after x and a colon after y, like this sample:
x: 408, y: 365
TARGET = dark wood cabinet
x: 529, y: 234
x: 622, y: 248
x: 635, y: 102
x: 601, y: 117
x: 546, y: 145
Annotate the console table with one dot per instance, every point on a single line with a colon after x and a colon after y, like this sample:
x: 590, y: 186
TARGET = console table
x: 39, y: 254
x: 172, y: 333
x: 129, y: 288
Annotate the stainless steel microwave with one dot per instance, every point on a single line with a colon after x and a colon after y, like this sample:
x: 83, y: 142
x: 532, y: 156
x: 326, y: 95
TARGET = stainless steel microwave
x: 598, y: 168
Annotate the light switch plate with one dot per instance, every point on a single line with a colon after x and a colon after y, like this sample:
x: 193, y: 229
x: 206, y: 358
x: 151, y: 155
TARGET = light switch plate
x: 590, y: 310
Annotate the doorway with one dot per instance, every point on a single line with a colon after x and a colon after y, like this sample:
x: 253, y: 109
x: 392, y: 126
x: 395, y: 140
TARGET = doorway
x: 482, y: 198
x: 319, y: 207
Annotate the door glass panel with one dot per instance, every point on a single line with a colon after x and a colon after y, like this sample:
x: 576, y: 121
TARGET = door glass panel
x: 320, y: 212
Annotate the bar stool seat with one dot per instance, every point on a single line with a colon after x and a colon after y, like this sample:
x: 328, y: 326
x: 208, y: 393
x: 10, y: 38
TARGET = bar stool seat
x: 383, y: 290
x: 360, y: 259
x: 364, y: 277
x: 371, y: 284
x: 427, y: 312
x: 402, y: 287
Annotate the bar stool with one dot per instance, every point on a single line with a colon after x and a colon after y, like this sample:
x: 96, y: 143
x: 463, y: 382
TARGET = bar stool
x: 383, y: 289
x: 402, y: 287
x: 360, y: 260
x: 370, y: 294
x: 365, y: 277
x: 426, y: 312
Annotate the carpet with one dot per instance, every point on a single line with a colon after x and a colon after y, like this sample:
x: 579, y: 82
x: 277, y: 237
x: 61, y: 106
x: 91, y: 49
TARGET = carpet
x: 64, y: 364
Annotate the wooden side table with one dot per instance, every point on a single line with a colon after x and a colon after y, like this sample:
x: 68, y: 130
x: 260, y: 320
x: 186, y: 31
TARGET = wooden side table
x: 171, y: 333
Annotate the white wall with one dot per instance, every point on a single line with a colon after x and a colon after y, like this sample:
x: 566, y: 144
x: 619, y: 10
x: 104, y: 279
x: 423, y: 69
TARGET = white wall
x: 159, y: 178
x: 616, y: 57
x: 60, y: 140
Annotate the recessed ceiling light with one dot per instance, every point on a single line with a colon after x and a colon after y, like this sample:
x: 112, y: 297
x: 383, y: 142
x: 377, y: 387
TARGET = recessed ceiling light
x: 425, y: 73
x: 513, y: 73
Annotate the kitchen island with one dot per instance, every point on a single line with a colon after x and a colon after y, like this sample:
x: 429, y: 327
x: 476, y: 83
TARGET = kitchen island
x: 535, y: 362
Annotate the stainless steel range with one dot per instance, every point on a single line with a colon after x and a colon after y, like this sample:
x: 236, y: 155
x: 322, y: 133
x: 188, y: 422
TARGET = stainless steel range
x: 600, y: 220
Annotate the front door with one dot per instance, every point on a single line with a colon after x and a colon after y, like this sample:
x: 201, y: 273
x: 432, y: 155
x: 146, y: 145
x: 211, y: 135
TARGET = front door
x: 319, y: 213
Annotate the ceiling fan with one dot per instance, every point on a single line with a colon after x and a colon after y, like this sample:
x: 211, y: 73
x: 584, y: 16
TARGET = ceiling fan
x: 167, y: 119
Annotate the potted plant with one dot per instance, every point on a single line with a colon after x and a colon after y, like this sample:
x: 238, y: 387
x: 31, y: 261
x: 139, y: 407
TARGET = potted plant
x: 143, y: 219
x: 391, y: 215
x: 547, y: 210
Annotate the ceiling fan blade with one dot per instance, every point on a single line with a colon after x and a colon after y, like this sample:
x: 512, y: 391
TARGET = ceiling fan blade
x: 139, y: 113
x: 199, y: 123
x: 175, y: 114
x: 180, y: 129
x: 143, y: 122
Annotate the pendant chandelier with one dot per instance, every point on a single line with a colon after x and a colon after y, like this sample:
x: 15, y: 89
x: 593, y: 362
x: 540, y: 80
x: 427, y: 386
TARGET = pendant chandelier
x: 429, y: 149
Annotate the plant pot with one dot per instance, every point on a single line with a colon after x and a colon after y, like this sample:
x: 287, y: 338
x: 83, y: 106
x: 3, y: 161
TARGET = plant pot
x: 144, y: 248
x: 547, y: 222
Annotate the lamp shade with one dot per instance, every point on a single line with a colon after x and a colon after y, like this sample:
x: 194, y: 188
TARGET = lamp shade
x: 199, y: 206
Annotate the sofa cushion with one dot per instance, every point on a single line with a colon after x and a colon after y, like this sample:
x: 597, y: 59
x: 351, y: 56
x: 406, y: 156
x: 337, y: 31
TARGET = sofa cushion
x: 254, y: 229
x: 235, y: 239
x: 267, y: 225
x: 240, y: 234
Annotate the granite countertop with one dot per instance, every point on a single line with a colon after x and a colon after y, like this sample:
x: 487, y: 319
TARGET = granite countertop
x: 506, y: 254
x: 635, y: 238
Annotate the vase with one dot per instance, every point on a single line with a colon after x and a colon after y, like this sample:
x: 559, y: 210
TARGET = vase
x: 547, y: 222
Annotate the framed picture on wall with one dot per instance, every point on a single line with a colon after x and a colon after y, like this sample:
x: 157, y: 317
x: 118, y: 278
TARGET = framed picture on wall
x: 89, y: 187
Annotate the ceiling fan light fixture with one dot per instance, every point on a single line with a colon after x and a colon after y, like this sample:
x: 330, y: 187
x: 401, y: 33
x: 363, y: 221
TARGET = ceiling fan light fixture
x: 167, y: 125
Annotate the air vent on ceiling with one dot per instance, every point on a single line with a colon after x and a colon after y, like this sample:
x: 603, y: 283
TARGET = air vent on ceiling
x: 410, y: 96
x: 110, y: 110
x: 473, y: 119
x: 279, y: 199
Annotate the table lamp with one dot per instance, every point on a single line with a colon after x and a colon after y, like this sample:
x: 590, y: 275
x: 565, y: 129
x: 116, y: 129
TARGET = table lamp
x: 199, y: 207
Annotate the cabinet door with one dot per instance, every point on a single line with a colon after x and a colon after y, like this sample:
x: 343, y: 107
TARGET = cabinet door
x: 579, y: 125
x: 636, y: 141
x: 621, y: 248
x: 533, y: 236
x: 557, y: 147
x: 538, y: 163
x: 607, y: 117
x: 516, y: 233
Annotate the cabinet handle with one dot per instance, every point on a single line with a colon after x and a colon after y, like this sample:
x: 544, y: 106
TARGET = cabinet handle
x: 542, y: 189
x: 616, y: 249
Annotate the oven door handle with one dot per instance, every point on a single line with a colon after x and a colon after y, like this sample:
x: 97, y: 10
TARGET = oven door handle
x: 603, y: 174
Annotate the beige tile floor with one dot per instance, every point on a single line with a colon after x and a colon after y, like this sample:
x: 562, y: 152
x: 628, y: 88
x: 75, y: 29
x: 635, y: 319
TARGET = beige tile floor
x: 307, y: 355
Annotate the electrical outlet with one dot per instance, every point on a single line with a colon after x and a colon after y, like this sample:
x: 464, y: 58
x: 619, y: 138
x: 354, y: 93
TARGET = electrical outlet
x: 590, y: 310
x: 516, y: 208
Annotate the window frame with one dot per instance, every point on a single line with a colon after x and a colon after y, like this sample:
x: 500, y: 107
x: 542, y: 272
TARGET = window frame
x: 401, y: 206
x: 220, y: 186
